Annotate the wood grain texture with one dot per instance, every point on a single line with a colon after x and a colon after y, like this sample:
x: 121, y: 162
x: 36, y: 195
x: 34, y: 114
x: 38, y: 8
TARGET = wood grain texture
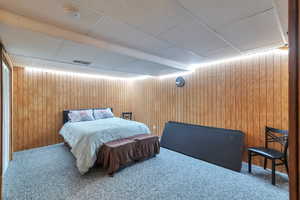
x: 246, y: 95
x: 40, y: 98
x: 294, y: 99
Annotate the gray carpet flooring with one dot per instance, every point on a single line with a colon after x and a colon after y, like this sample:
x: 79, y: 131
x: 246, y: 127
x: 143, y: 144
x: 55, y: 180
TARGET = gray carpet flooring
x: 50, y: 173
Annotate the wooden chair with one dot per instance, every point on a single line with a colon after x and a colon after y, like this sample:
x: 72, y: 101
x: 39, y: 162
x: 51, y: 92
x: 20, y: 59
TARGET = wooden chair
x: 271, y: 135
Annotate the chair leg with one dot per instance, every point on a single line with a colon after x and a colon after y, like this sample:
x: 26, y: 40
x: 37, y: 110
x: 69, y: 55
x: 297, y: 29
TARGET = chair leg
x: 273, y: 172
x: 265, y: 163
x: 249, y: 161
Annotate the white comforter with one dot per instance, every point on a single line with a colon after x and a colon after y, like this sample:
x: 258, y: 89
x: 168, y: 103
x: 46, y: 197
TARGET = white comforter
x: 85, y: 138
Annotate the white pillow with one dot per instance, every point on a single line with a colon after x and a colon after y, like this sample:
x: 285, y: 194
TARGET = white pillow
x: 81, y: 115
x: 103, y: 113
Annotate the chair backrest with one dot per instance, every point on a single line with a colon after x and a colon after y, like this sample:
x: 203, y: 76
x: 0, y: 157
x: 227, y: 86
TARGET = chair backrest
x: 127, y: 115
x: 277, y: 135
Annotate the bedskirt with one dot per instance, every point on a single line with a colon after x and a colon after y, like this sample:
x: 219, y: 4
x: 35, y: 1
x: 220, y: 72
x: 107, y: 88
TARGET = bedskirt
x: 121, y: 152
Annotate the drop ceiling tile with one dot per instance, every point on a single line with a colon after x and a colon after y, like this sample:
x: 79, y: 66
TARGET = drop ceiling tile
x: 122, y: 68
x: 114, y: 8
x: 120, y: 33
x: 222, y: 53
x: 70, y: 51
x: 282, y: 7
x: 21, y: 61
x: 254, y: 32
x: 216, y: 13
x: 264, y: 48
x: 180, y: 55
x: 193, y: 36
x: 23, y: 42
x: 52, y: 12
x: 155, y: 16
x: 110, y: 59
x: 148, y: 68
x: 100, y: 58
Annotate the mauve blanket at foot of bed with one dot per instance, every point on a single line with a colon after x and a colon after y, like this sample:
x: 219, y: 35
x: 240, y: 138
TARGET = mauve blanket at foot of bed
x: 122, y: 152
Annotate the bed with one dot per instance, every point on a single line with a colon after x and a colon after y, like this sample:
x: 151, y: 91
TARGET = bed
x: 85, y: 138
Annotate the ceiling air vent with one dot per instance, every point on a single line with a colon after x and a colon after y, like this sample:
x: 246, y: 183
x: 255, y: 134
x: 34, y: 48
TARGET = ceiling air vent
x: 81, y: 62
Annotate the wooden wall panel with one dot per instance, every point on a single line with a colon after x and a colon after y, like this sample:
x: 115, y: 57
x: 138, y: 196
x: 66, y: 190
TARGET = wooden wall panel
x: 246, y: 95
x: 40, y: 97
x: 294, y: 99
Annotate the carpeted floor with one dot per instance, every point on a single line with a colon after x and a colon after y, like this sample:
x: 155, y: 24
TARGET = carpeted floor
x: 50, y: 173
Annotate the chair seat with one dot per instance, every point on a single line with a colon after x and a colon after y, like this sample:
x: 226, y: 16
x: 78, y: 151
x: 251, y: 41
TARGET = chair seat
x: 270, y: 153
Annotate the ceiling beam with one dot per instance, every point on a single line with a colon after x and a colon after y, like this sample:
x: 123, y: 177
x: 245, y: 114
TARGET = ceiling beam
x: 18, y: 21
x: 50, y: 63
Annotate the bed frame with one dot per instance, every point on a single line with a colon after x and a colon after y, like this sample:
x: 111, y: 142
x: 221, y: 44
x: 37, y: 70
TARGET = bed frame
x: 66, y: 112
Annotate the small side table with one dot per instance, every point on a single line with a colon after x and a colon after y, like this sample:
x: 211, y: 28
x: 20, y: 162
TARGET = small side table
x: 127, y: 115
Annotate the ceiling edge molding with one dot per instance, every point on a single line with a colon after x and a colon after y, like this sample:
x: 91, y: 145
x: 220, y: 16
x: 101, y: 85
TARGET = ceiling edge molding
x: 22, y: 22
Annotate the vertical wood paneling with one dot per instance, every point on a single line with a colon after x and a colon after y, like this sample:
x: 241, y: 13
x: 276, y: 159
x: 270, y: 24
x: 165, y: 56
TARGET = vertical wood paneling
x: 256, y: 117
x: 246, y: 95
x: 284, y: 91
x: 270, y: 92
x: 40, y: 98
